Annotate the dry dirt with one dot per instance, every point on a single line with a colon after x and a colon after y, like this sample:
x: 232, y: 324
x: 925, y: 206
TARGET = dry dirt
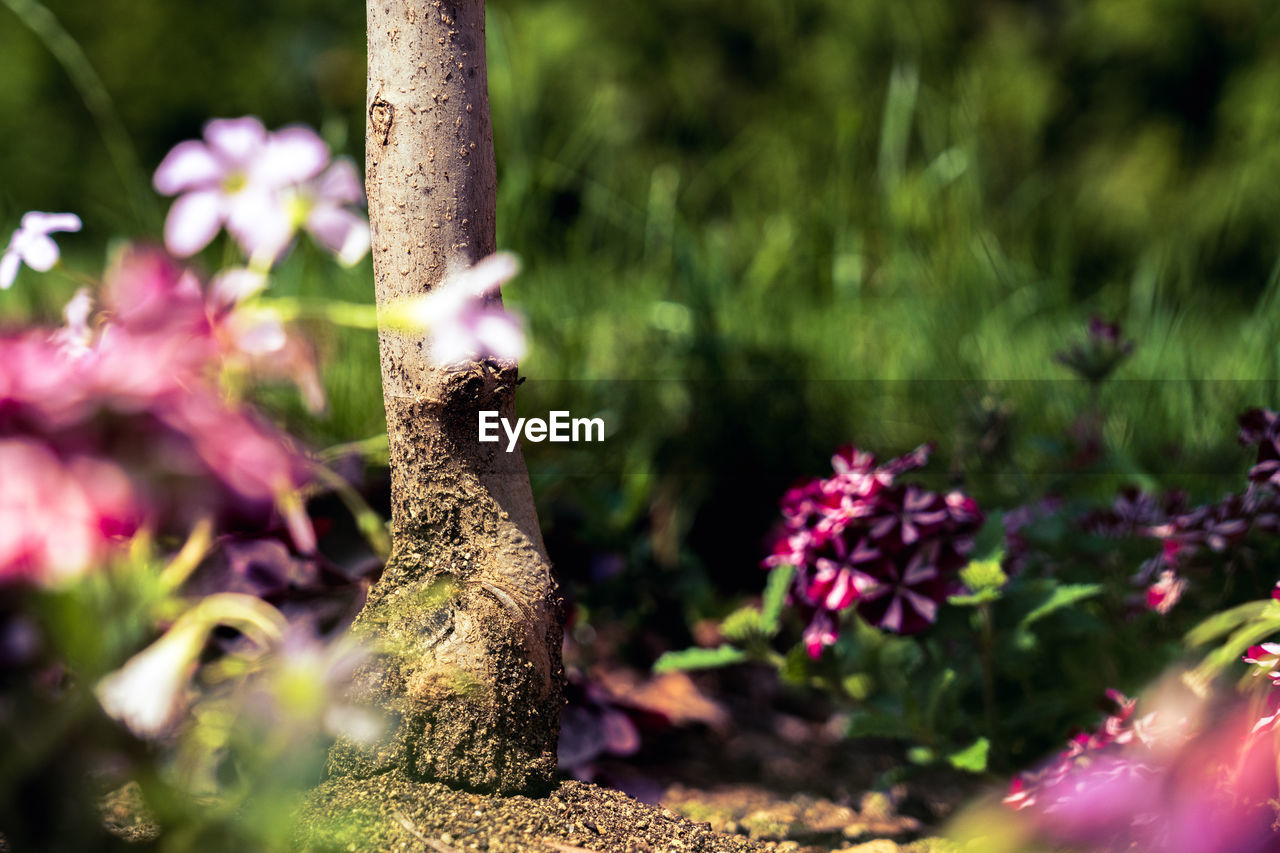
x: 393, y: 813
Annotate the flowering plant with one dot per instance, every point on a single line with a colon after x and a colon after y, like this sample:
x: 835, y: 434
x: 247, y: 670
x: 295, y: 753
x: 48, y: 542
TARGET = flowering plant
x: 167, y: 593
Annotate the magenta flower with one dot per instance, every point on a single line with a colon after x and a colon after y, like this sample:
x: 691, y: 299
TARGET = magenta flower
x: 1165, y: 592
x: 58, y: 518
x: 859, y: 540
x: 1175, y: 779
x: 907, y: 597
x: 32, y: 245
x: 1099, y: 354
x: 1264, y: 659
x: 235, y: 177
x: 141, y: 390
x: 913, y: 514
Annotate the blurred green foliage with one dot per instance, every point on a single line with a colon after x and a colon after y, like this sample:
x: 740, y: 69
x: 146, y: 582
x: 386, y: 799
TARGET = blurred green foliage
x: 753, y: 230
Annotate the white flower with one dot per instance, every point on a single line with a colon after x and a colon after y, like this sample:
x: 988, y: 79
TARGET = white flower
x: 462, y: 323
x: 235, y: 177
x: 149, y: 692
x: 32, y: 245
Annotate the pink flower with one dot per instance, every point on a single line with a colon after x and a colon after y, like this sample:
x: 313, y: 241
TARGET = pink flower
x: 858, y: 539
x: 32, y: 245
x: 820, y: 634
x: 141, y: 390
x: 908, y: 596
x: 1165, y: 592
x: 76, y: 337
x: 322, y: 206
x: 1264, y: 658
x: 235, y: 178
x: 253, y: 336
x: 58, y: 518
x: 465, y: 318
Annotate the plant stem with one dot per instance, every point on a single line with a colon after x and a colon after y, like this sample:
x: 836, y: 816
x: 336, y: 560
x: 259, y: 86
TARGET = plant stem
x: 989, y: 674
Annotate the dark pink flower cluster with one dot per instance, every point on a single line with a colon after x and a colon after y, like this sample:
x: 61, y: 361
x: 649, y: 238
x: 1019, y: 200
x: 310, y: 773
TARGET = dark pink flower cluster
x: 861, y: 539
x: 1173, y: 779
x: 108, y: 427
x: 1096, y: 357
x: 1185, y: 531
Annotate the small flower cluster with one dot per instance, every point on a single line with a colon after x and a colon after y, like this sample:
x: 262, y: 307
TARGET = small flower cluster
x: 1102, y: 351
x: 861, y: 539
x: 263, y: 187
x: 110, y: 426
x: 1176, y: 778
x: 1060, y: 781
x: 1185, y: 531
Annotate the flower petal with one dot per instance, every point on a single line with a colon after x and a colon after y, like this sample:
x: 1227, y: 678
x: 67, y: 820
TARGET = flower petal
x: 340, y: 183
x: 260, y: 224
x: 190, y: 165
x: 291, y: 156
x: 235, y: 140
x: 342, y: 232
x: 9, y: 263
x: 235, y: 285
x: 193, y: 222
x: 488, y: 275
x: 500, y: 335
x: 40, y: 252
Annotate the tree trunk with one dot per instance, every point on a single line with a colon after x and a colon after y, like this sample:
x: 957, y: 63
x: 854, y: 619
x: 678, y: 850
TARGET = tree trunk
x: 466, y: 616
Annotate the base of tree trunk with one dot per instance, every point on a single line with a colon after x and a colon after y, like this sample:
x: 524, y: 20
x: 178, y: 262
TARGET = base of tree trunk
x: 393, y: 812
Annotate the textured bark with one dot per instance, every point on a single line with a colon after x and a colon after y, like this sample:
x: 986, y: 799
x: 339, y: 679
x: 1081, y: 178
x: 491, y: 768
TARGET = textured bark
x: 466, y: 614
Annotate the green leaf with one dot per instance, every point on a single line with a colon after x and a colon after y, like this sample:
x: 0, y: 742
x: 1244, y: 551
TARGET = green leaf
x: 858, y: 685
x: 878, y: 724
x: 1230, y: 652
x: 1228, y: 620
x: 742, y: 625
x: 775, y: 597
x: 984, y: 575
x: 1062, y: 596
x: 973, y: 758
x: 797, y: 667
x: 921, y: 755
x: 939, y: 687
x: 695, y: 658
x: 974, y: 599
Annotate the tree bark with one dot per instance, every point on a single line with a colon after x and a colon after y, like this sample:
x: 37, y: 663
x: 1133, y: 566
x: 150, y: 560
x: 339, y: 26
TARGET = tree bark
x: 466, y: 616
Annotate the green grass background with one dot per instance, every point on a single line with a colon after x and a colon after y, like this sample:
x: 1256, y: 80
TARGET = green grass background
x: 755, y: 229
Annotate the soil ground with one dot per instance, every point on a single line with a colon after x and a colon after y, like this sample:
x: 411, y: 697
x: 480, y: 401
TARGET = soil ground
x: 393, y: 813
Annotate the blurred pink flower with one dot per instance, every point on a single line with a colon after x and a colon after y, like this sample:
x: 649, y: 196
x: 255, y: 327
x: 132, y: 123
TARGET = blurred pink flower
x: 58, y: 518
x: 234, y: 178
x: 141, y: 388
x: 465, y: 318
x: 1175, y: 779
x: 322, y: 206
x: 1165, y: 592
x: 76, y: 337
x: 32, y: 245
x: 254, y: 336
